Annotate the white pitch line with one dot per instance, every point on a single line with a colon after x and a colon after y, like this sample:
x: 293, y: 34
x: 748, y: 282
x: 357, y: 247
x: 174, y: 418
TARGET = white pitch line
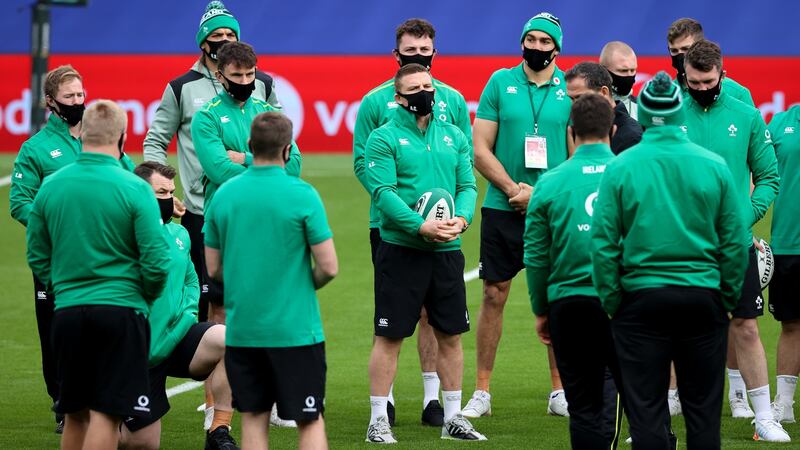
x: 5, y: 181
x: 185, y: 387
x: 188, y: 386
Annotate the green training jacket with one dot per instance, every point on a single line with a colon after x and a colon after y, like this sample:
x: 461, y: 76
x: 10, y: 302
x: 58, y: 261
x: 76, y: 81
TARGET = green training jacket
x: 377, y: 108
x: 175, y: 310
x: 39, y: 157
x: 182, y: 98
x: 402, y: 163
x: 737, y: 132
x: 667, y: 214
x: 557, y: 228
x: 224, y: 125
x: 94, y: 236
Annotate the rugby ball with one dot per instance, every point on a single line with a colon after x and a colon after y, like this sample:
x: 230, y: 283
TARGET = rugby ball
x: 766, y: 264
x: 436, y: 204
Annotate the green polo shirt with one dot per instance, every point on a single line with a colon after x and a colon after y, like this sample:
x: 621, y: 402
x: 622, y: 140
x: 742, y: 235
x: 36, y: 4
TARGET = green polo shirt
x: 557, y: 228
x: 263, y: 223
x: 39, y: 157
x: 377, y: 108
x: 221, y: 125
x: 95, y: 236
x: 785, y: 130
x: 510, y: 100
x: 737, y: 132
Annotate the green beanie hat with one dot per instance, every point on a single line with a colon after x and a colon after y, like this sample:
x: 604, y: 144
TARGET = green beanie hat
x: 216, y: 16
x: 660, y: 102
x: 547, y: 23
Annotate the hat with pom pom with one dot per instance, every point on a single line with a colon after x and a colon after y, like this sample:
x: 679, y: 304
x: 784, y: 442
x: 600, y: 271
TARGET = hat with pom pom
x: 216, y: 16
x: 660, y: 102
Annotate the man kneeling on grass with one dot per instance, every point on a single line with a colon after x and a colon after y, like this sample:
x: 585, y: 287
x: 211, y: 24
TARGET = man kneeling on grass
x: 179, y: 345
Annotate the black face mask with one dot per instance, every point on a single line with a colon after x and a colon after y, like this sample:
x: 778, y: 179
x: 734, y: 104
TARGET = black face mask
x: 422, y: 60
x: 537, y: 60
x: 707, y: 97
x: 622, y: 85
x: 213, y: 48
x: 677, y: 63
x: 240, y: 92
x: 72, y: 114
x: 419, y: 103
x: 166, y: 206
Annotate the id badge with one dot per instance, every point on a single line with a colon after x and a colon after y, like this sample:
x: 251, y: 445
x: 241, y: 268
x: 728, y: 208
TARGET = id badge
x: 535, y: 152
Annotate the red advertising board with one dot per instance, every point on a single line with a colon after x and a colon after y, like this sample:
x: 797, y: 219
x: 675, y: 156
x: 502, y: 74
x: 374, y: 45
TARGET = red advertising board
x: 322, y: 93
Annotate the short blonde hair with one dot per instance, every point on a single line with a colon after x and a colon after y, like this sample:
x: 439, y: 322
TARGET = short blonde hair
x: 103, y: 123
x: 58, y: 76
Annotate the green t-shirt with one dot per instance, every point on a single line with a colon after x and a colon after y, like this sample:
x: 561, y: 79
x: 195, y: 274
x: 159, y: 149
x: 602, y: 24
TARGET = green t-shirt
x: 377, y: 108
x: 175, y: 310
x: 263, y: 223
x: 41, y: 156
x: 403, y: 163
x: 95, y: 235
x: 737, y: 132
x: 785, y: 130
x: 557, y: 228
x: 222, y: 125
x: 511, y: 101
x: 667, y: 214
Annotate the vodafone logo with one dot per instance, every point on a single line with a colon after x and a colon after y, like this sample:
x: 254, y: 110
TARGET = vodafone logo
x: 290, y: 101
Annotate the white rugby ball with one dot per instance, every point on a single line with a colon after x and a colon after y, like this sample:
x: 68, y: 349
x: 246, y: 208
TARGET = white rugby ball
x: 435, y: 204
x: 766, y: 264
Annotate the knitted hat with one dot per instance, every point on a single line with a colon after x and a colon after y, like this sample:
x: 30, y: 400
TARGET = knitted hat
x: 216, y: 16
x: 546, y: 23
x: 660, y: 102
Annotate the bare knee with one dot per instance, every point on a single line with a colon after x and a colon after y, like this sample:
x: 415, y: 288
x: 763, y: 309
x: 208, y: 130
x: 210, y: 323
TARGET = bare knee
x: 495, y: 293
x: 745, y: 330
x: 791, y: 327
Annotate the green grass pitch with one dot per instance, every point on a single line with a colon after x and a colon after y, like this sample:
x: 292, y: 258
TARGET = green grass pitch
x: 520, y: 384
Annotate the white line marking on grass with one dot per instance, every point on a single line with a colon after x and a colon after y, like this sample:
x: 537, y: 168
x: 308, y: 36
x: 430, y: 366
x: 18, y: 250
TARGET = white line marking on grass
x: 185, y: 387
x: 188, y: 386
x: 5, y: 181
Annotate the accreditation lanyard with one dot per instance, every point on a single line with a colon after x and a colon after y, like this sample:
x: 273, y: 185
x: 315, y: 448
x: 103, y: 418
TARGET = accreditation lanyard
x: 536, y: 145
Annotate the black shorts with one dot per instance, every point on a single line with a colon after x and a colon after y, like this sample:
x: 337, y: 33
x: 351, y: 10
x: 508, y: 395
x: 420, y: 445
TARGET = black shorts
x: 751, y: 303
x: 176, y: 365
x: 408, y: 279
x: 101, y: 354
x: 291, y: 377
x: 501, y: 244
x: 784, y: 289
x: 374, y: 242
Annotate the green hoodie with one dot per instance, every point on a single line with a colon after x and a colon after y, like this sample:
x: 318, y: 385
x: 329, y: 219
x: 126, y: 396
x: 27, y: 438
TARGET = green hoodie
x: 785, y: 130
x: 175, y: 310
x: 737, y: 132
x: 223, y: 124
x: 377, y: 108
x: 39, y: 157
x: 557, y: 224
x: 94, y: 236
x: 667, y: 214
x: 403, y: 163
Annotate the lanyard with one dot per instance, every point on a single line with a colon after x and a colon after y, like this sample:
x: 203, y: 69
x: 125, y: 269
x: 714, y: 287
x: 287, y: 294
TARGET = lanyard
x: 533, y: 108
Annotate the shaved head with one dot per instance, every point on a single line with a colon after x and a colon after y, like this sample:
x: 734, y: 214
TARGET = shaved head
x: 619, y: 58
x: 612, y: 48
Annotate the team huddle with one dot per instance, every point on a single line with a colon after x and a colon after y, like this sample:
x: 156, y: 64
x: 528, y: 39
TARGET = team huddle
x: 632, y: 217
